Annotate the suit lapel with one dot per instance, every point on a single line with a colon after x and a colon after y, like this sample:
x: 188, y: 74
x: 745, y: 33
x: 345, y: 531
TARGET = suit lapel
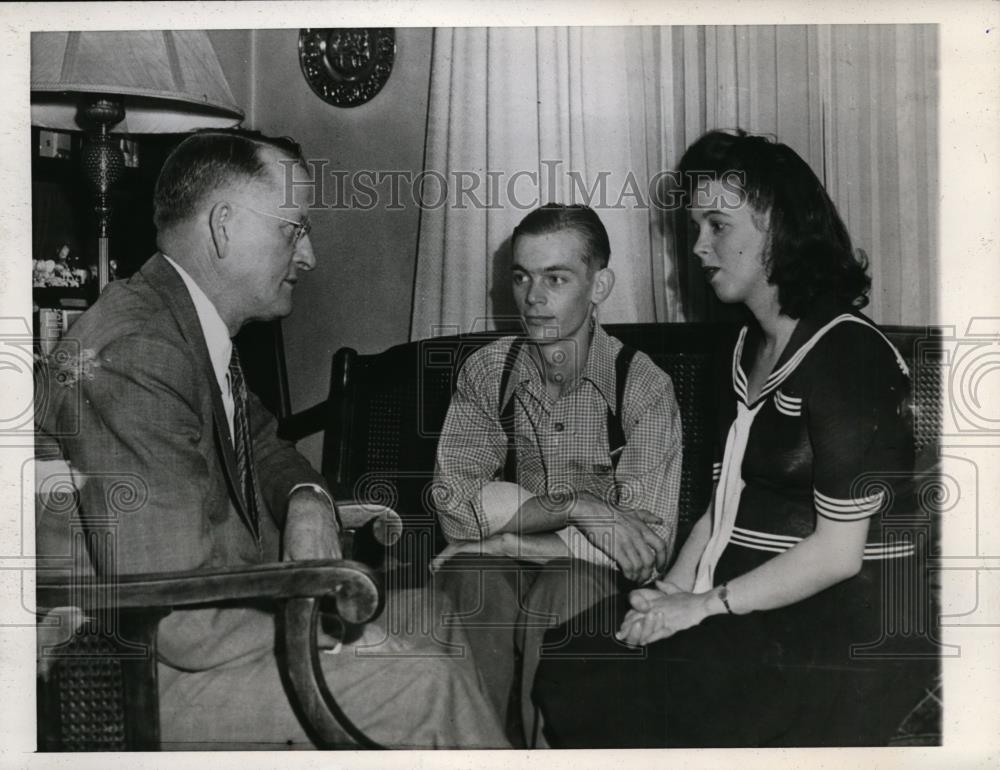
x: 162, y: 277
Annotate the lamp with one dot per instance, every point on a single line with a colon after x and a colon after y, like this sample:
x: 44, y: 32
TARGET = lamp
x: 133, y: 82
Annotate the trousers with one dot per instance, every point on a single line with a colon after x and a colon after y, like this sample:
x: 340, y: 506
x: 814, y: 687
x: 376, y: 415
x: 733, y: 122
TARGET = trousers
x: 405, y: 683
x: 505, y: 606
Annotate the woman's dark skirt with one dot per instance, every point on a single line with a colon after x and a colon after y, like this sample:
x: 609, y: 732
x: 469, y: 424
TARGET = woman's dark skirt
x: 797, y: 676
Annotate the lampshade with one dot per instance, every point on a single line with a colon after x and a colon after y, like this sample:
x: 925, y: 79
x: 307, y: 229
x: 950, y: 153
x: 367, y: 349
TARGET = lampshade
x: 170, y: 81
x: 134, y: 82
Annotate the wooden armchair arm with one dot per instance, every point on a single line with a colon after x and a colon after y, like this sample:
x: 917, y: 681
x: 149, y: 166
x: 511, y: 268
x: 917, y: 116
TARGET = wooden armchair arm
x: 305, y: 671
x: 299, y: 586
x: 355, y: 514
x: 356, y: 591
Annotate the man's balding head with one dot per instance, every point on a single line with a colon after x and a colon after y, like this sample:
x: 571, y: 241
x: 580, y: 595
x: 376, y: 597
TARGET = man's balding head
x: 226, y: 213
x: 209, y: 161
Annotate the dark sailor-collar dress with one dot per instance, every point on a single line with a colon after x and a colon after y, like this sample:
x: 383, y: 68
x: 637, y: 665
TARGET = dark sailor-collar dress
x: 829, y: 435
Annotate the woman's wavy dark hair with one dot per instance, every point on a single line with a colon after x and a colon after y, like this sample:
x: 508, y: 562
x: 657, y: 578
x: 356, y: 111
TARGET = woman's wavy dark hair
x: 810, y: 255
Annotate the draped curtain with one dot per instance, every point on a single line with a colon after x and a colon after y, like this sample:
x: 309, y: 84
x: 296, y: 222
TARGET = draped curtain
x: 521, y: 116
x: 536, y: 108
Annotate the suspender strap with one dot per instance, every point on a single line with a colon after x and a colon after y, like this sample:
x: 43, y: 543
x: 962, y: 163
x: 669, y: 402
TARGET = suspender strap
x: 507, y: 411
x: 616, y: 435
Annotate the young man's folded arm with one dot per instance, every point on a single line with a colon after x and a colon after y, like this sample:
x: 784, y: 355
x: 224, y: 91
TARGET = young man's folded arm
x: 649, y: 472
x: 471, y: 503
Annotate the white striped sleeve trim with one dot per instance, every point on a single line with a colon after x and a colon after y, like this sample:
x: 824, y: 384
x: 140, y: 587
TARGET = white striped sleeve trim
x: 788, y: 405
x: 716, y: 471
x: 762, y: 541
x: 771, y: 543
x: 847, y: 509
x: 888, y: 550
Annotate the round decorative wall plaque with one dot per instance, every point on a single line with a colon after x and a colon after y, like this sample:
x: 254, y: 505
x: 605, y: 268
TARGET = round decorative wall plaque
x: 347, y: 67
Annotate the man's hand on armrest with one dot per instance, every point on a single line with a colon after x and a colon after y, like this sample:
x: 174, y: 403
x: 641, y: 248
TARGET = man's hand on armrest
x: 311, y: 530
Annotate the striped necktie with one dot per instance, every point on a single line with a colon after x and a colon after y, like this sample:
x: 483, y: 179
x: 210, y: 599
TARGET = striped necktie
x: 243, y: 442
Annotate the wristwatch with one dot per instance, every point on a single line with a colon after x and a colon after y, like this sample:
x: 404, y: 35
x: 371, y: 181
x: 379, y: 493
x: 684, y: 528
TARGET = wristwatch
x: 724, y: 596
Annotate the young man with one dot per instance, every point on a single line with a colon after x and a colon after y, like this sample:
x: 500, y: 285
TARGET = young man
x: 162, y: 403
x: 561, y: 444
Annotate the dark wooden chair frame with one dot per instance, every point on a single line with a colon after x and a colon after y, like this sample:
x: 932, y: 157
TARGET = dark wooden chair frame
x: 101, y: 691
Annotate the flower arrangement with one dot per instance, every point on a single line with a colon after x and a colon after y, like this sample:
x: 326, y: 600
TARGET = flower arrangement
x: 59, y: 272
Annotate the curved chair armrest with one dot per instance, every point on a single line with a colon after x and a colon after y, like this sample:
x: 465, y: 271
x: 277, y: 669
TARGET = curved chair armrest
x: 322, y: 713
x: 299, y: 586
x: 357, y: 592
x: 354, y: 514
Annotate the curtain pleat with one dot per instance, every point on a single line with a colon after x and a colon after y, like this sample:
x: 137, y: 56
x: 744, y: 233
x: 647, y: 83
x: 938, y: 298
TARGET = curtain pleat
x: 595, y: 115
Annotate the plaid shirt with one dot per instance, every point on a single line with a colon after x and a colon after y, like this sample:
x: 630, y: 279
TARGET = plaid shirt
x: 562, y: 444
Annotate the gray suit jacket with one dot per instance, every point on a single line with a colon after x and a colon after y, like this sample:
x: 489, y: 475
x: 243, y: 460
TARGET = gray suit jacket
x: 131, y: 398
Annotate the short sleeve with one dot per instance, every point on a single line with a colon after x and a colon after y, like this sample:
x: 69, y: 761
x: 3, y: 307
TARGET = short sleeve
x: 855, y: 412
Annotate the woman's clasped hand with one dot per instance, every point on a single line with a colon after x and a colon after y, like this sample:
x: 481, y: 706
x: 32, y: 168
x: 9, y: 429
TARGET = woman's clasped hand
x: 661, y: 612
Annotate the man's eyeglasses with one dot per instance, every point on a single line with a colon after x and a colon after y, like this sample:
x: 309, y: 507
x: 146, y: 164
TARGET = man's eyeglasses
x: 302, y: 227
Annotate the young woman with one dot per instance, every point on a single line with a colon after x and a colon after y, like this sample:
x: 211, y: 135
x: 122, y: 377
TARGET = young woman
x: 755, y: 635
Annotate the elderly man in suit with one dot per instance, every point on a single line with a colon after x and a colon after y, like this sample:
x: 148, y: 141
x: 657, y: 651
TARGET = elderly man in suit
x: 159, y: 401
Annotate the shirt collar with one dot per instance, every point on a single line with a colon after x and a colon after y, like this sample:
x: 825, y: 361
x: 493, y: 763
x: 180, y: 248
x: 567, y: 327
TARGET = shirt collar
x: 220, y: 346
x: 599, y: 369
